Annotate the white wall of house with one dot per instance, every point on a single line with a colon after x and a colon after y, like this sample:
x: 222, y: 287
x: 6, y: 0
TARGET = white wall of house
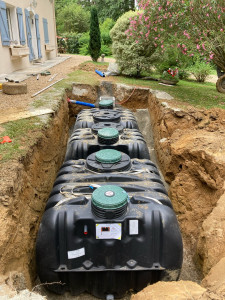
x: 20, y: 13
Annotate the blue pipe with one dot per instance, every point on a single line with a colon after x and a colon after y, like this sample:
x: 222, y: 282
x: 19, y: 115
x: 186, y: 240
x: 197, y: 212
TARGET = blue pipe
x: 81, y: 103
x: 100, y: 73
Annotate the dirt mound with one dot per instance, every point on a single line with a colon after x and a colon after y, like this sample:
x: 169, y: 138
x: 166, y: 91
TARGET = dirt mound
x: 215, y: 280
x: 181, y: 290
x: 89, y: 66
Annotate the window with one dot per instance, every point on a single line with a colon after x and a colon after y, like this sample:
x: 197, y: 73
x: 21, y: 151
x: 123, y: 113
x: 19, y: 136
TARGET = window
x: 45, y: 25
x: 9, y: 22
x: 12, y: 22
x: 11, y: 25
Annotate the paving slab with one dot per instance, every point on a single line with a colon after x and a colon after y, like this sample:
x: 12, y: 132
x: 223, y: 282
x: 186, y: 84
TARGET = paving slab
x: 35, y: 69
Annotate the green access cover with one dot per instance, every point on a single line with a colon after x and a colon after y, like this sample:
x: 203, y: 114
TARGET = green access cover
x: 105, y: 103
x: 108, y: 156
x: 108, y: 133
x: 109, y: 197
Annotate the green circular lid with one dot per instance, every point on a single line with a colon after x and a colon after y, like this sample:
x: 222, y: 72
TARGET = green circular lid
x: 108, y: 133
x: 108, y: 156
x: 109, y: 197
x: 105, y: 103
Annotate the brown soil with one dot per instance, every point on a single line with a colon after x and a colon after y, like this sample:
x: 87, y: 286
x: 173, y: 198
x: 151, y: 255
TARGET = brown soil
x: 182, y: 290
x: 137, y: 98
x: 89, y: 67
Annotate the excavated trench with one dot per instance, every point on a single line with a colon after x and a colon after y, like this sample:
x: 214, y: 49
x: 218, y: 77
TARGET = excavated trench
x: 186, y: 144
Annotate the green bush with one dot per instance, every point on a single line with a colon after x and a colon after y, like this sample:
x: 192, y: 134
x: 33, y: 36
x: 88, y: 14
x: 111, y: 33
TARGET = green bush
x: 105, y: 28
x: 132, y: 57
x: 183, y: 74
x: 200, y: 70
x: 106, y: 39
x: 106, y: 50
x: 73, y: 44
x: 84, y: 42
x: 84, y: 50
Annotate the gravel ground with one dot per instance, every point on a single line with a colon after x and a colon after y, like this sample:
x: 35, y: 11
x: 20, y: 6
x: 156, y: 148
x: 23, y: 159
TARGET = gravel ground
x: 10, y: 104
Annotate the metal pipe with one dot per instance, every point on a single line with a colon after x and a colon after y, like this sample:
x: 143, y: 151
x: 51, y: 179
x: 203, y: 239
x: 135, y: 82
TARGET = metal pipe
x: 47, y: 87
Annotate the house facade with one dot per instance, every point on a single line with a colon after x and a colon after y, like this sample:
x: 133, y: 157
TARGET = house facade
x: 27, y: 33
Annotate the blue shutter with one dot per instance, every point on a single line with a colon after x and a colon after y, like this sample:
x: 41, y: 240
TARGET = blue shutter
x: 20, y: 25
x: 4, y: 28
x: 38, y: 36
x: 29, y: 35
x: 45, y: 24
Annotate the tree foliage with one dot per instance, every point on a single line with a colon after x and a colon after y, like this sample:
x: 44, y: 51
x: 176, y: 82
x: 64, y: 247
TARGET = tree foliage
x: 109, y: 8
x: 131, y: 56
x: 199, y: 25
x: 95, y: 36
x: 72, y: 18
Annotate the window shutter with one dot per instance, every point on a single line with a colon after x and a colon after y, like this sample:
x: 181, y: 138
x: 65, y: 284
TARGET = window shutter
x: 4, y: 28
x: 38, y: 36
x: 29, y: 35
x: 45, y: 24
x: 20, y: 25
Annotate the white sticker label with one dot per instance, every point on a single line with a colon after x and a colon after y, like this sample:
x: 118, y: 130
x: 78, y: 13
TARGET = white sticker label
x: 109, y: 231
x: 76, y: 253
x: 133, y: 227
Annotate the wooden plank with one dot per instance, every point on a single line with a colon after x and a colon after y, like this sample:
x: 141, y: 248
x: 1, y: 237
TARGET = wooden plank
x: 25, y: 115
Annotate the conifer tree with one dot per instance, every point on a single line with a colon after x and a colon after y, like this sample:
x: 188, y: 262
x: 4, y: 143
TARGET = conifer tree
x: 95, y: 35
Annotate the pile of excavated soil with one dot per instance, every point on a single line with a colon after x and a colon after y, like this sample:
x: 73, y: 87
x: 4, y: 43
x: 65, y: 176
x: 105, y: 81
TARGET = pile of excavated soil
x: 90, y: 67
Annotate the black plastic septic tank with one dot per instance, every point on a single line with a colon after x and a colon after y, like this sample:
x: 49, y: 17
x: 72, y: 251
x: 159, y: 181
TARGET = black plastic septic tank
x: 108, y: 244
x: 140, y: 178
x: 88, y: 117
x: 85, y: 141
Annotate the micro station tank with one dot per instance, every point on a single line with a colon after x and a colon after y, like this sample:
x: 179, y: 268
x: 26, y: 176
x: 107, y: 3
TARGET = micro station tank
x: 109, y: 225
x: 88, y: 117
x: 107, y: 245
x: 85, y: 141
x: 140, y: 178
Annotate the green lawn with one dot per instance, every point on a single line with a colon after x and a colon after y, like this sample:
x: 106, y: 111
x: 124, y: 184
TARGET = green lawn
x: 190, y: 91
x: 202, y: 95
x: 18, y: 132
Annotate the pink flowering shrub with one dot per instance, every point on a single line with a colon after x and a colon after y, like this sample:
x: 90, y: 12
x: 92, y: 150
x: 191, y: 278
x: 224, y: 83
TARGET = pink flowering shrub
x: 199, y: 26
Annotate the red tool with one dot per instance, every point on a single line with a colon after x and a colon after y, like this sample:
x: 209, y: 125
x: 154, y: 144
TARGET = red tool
x: 6, y: 139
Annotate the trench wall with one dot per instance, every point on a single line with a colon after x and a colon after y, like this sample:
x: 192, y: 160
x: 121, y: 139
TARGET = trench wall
x: 191, y: 152
x: 23, y: 199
